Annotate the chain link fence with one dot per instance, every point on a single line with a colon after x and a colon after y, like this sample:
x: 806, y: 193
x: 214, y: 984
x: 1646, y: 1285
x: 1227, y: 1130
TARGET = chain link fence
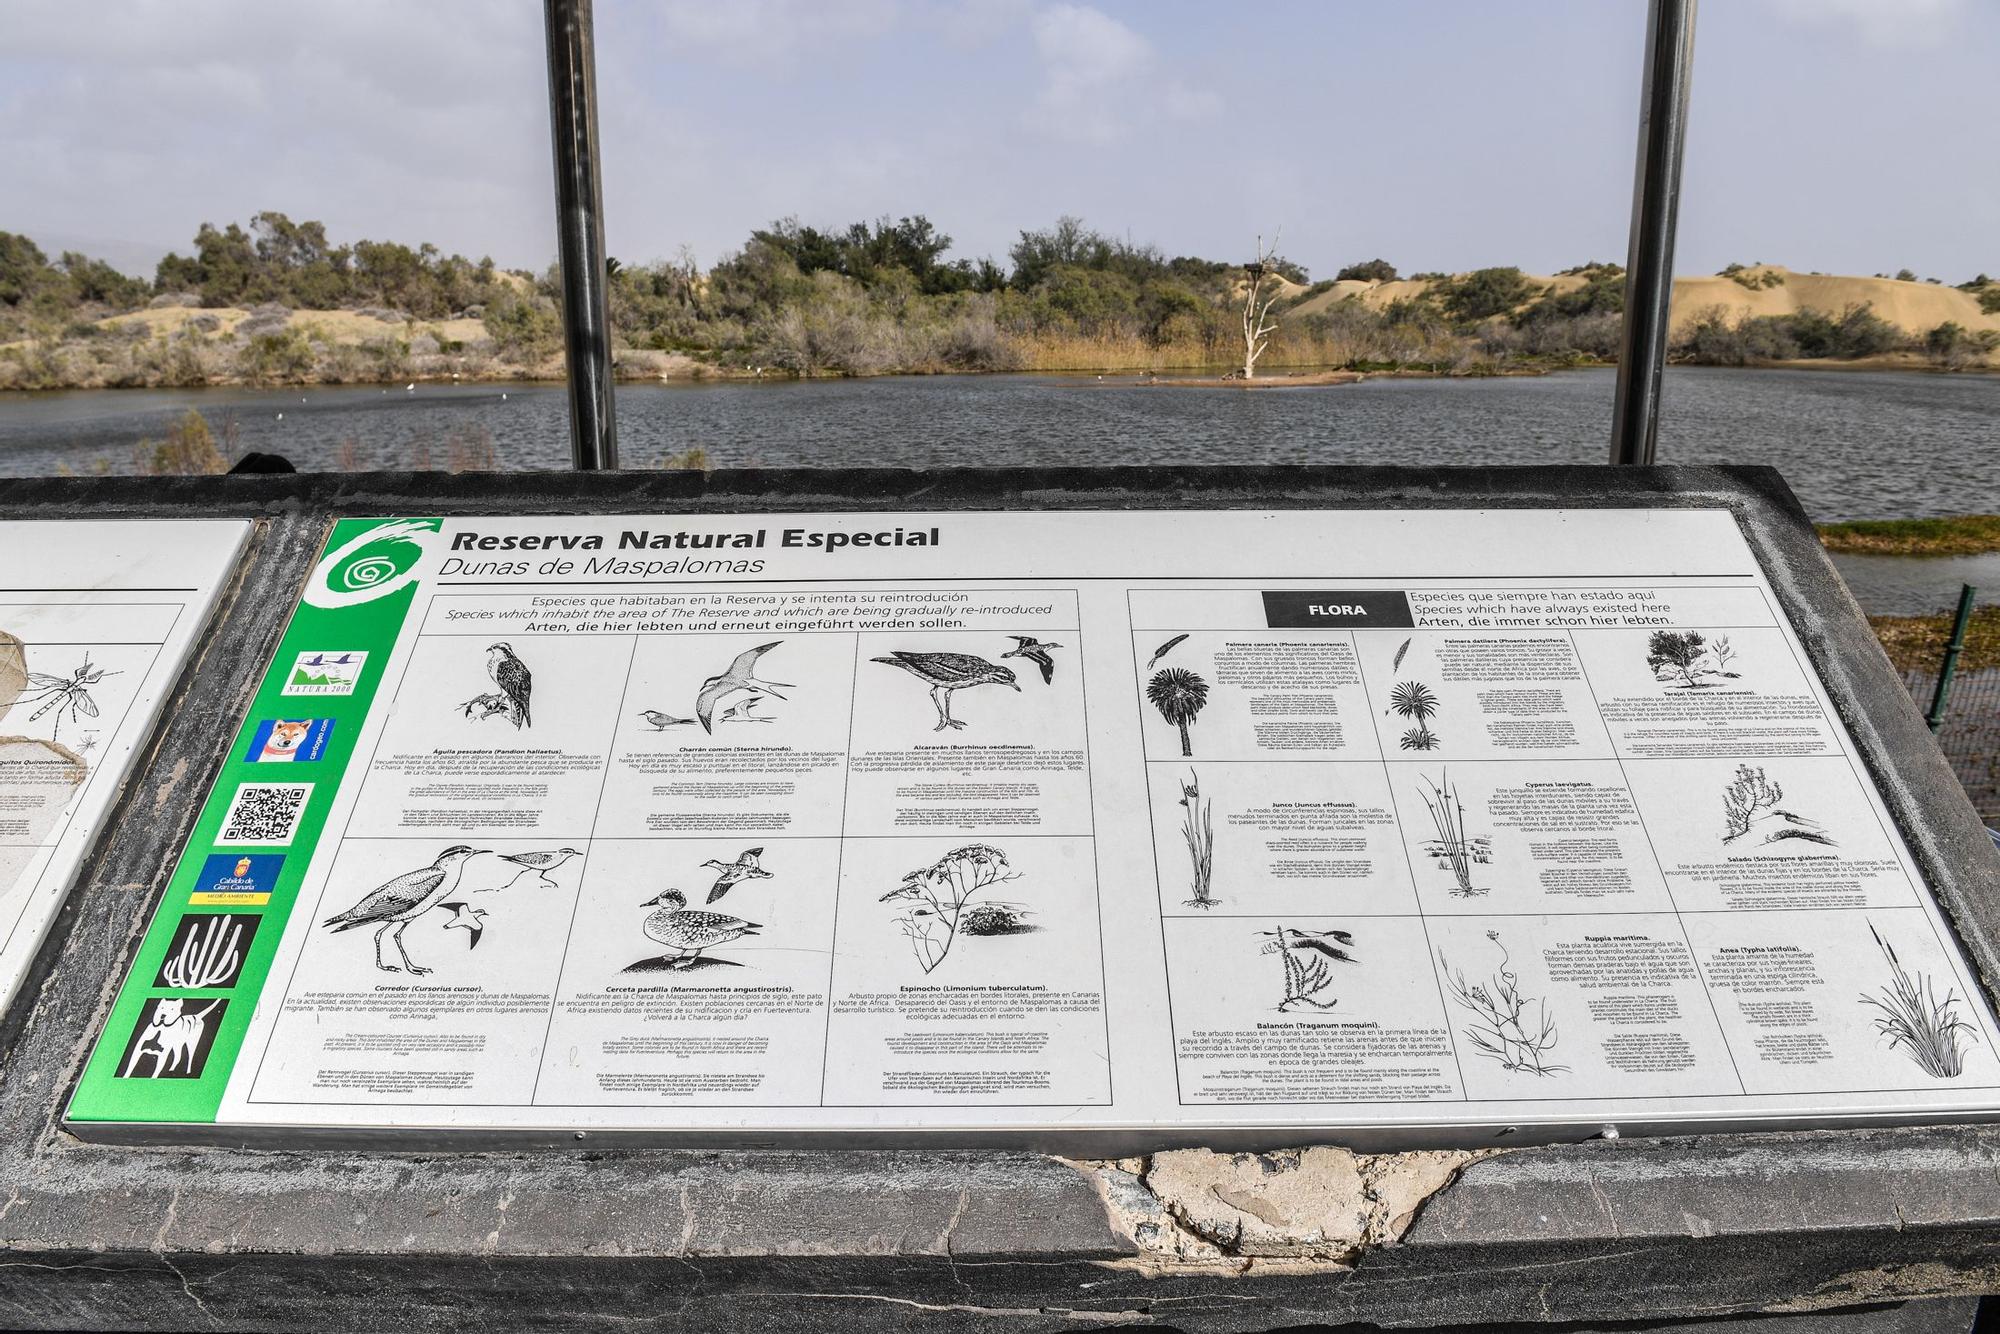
x: 1970, y: 737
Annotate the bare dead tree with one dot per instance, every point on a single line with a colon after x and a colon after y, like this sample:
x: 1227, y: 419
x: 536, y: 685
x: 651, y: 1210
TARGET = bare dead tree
x: 1258, y: 326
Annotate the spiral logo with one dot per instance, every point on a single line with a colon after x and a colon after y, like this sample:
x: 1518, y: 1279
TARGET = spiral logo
x: 372, y: 564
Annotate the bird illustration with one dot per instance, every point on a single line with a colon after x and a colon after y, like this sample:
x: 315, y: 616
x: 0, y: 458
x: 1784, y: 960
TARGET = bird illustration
x: 394, y: 905
x: 688, y: 931
x: 1035, y: 651
x: 662, y: 721
x: 740, y: 676
x: 745, y: 867
x: 947, y: 672
x: 472, y: 919
x: 540, y: 862
x: 516, y: 682
x: 1163, y: 650
x: 740, y: 711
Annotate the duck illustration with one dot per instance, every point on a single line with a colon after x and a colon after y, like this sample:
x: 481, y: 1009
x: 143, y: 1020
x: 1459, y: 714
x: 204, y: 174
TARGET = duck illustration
x: 745, y: 867
x: 947, y: 672
x: 1035, y: 651
x: 686, y: 931
x: 742, y: 675
x: 395, y: 904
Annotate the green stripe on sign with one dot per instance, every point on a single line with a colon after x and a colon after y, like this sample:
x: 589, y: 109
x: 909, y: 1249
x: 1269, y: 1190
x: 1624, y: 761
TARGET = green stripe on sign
x: 166, y: 1052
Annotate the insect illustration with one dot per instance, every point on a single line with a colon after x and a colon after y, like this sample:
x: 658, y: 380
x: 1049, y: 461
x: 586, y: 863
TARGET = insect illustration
x: 65, y: 694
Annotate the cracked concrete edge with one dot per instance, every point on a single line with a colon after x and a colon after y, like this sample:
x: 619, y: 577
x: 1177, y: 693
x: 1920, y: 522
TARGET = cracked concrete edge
x: 1310, y: 1210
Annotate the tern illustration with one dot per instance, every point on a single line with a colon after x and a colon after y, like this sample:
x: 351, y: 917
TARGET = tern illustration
x: 740, y: 676
x: 745, y: 867
x: 739, y: 712
x: 662, y: 721
x: 686, y: 931
x: 1035, y: 651
x: 946, y: 672
x: 394, y: 905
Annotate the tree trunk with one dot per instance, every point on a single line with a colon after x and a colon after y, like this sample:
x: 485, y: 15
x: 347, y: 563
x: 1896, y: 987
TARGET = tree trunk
x: 1187, y: 742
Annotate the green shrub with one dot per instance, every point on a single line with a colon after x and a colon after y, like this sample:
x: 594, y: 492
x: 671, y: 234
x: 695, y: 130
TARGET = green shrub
x: 1368, y: 271
x: 1483, y: 293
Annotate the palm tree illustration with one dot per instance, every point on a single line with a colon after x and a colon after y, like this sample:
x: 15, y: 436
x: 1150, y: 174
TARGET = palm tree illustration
x: 1179, y: 695
x: 1414, y: 700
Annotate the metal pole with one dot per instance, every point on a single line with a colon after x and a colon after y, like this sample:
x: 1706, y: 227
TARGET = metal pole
x: 1949, y: 667
x: 593, y: 435
x: 1656, y: 199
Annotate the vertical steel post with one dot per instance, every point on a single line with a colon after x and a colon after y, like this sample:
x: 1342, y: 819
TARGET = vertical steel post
x: 1656, y: 200
x: 593, y: 435
x: 1955, y: 646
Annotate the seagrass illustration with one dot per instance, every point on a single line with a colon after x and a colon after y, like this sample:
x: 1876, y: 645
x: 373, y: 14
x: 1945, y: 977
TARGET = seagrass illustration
x: 1454, y: 849
x: 1507, y: 1026
x: 1198, y: 831
x: 1916, y: 1020
x: 1309, y: 958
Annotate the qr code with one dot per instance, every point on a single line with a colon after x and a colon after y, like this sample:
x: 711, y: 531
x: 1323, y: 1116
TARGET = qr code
x: 265, y: 813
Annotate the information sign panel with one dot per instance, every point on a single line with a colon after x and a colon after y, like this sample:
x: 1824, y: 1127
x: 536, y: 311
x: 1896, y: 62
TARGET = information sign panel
x: 96, y: 620
x: 1115, y: 827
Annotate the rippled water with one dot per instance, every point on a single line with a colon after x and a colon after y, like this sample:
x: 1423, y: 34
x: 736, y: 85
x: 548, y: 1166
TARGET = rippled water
x: 1852, y: 444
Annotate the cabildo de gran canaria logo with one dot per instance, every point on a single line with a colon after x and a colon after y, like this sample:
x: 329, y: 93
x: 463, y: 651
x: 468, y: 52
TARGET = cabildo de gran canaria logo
x: 371, y: 565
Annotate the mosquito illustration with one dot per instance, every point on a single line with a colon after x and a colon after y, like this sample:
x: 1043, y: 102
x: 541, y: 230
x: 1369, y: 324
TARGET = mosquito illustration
x: 65, y: 694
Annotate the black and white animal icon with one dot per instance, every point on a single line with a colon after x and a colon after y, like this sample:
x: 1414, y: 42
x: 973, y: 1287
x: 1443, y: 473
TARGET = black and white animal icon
x: 516, y: 682
x: 686, y: 931
x: 742, y: 675
x: 1035, y: 651
x: 393, y: 906
x: 171, y: 1038
x: 745, y: 867
x: 946, y: 672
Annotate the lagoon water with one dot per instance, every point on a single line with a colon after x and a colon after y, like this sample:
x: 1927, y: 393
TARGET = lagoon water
x: 1852, y: 444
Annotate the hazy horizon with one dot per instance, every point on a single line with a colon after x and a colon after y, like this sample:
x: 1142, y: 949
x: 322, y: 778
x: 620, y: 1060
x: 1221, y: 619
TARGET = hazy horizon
x: 1840, y: 135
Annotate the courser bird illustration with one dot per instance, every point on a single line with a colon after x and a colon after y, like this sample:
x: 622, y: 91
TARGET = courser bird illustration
x: 540, y: 862
x: 516, y: 682
x: 740, y: 676
x: 745, y: 867
x: 686, y: 931
x: 1035, y: 651
x: 472, y: 919
x: 394, y: 905
x: 947, y: 672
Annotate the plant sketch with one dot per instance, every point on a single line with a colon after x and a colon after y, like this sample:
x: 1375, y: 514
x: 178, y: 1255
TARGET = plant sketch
x: 1685, y: 659
x: 1179, y: 695
x: 1913, y: 1018
x: 932, y: 901
x: 946, y: 672
x: 1037, y: 652
x: 1163, y: 650
x: 65, y: 695
x: 1503, y: 1029
x: 1413, y: 699
x: 1309, y: 957
x: 1396, y: 663
x: 1751, y: 799
x: 208, y: 957
x: 1199, y: 832
x: 1452, y: 848
x: 516, y: 686
x: 687, y: 932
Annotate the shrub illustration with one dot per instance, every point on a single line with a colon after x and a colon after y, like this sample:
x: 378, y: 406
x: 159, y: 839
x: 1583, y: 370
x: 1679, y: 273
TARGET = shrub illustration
x: 1179, y: 695
x: 1510, y: 1028
x: 933, y: 899
x: 1677, y: 652
x: 1915, y: 1020
x: 1309, y: 957
x: 1752, y: 798
x: 1414, y: 700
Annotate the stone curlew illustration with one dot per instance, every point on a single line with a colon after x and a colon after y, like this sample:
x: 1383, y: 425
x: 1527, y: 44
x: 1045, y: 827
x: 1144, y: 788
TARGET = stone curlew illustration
x: 946, y: 672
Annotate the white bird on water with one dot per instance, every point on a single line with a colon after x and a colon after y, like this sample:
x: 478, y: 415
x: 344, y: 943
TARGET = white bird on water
x: 410, y: 388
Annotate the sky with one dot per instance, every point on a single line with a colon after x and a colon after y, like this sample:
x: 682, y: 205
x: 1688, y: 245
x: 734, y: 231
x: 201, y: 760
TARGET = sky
x: 1847, y: 136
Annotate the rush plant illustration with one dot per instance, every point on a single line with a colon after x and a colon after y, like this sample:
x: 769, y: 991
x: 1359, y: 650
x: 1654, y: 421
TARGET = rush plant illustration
x: 1413, y: 700
x: 933, y: 903
x: 1179, y: 695
x: 1309, y: 958
x: 1916, y: 1020
x: 1199, y: 832
x: 1750, y: 804
x: 1453, y: 848
x: 1507, y: 1027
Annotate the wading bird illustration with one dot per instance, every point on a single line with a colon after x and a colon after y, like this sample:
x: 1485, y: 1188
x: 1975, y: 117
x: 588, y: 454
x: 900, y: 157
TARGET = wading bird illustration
x: 394, y: 905
x: 64, y: 694
x: 742, y: 675
x: 946, y: 672
x: 686, y: 931
x: 745, y: 867
x: 540, y: 862
x: 1035, y: 651
x: 472, y: 919
x: 662, y: 721
x: 516, y: 682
